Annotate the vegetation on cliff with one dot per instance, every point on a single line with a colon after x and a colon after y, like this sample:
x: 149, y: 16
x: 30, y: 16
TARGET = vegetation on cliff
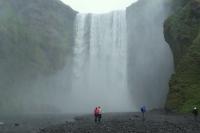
x: 183, y: 35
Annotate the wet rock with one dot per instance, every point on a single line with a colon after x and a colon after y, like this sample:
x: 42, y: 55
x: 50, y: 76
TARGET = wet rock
x: 114, y: 124
x: 1, y: 123
x: 136, y: 116
x: 17, y: 124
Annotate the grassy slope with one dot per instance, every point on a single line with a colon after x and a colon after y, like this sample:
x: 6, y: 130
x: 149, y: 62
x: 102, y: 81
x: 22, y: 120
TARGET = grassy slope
x: 182, y: 33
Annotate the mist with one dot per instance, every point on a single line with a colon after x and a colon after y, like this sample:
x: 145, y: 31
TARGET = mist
x: 100, y: 63
x: 34, y: 50
x: 150, y: 61
x: 121, y: 60
x: 75, y: 61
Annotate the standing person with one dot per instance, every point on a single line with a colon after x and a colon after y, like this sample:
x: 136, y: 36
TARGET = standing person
x: 99, y: 114
x: 195, y: 113
x: 143, y: 110
x: 96, y: 113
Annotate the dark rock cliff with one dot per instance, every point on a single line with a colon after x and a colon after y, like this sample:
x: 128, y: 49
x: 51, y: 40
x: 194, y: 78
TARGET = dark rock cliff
x: 36, y: 37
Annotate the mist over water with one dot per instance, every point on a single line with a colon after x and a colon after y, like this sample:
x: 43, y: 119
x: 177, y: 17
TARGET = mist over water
x: 118, y: 66
x: 100, y: 63
x: 119, y: 61
x: 150, y: 61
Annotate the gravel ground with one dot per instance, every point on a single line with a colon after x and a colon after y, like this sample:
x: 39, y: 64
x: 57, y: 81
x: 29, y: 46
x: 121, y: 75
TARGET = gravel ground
x: 155, y: 122
x: 30, y: 123
x: 129, y: 123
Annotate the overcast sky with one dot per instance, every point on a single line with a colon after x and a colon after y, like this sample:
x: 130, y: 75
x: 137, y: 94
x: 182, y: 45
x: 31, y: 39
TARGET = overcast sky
x: 98, y: 6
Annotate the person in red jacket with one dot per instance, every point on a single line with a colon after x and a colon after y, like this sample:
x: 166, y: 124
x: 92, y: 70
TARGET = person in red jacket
x: 97, y: 114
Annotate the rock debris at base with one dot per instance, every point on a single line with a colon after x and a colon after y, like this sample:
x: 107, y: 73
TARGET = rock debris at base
x: 129, y: 123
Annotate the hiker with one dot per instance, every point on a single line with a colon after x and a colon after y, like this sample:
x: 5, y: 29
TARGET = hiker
x: 195, y: 113
x: 143, y: 110
x: 97, y: 114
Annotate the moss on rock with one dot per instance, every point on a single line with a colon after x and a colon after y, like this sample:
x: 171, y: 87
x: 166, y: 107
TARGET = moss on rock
x: 183, y: 35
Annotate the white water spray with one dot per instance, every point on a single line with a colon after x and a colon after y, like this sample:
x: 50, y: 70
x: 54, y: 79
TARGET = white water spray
x: 100, y: 63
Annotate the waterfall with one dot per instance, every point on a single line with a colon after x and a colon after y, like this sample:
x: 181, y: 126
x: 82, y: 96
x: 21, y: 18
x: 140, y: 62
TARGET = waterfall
x: 120, y: 60
x: 100, y: 63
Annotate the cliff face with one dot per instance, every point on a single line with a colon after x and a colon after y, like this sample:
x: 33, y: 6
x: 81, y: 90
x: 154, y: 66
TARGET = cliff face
x: 182, y: 34
x: 36, y: 37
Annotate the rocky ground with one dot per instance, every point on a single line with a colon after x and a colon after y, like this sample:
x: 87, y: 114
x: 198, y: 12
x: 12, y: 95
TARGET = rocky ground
x: 156, y: 122
x: 30, y: 123
x: 129, y: 123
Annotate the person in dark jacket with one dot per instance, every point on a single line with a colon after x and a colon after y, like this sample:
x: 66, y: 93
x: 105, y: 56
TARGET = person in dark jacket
x: 99, y: 114
x: 143, y: 110
x: 195, y: 113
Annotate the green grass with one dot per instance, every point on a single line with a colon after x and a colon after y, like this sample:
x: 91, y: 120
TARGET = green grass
x: 184, y: 38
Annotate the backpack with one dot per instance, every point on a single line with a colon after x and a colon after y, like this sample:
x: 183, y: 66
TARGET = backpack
x: 143, y: 109
x: 96, y: 111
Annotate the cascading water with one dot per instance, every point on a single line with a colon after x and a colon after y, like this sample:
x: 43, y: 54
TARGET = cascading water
x: 121, y: 60
x: 100, y: 63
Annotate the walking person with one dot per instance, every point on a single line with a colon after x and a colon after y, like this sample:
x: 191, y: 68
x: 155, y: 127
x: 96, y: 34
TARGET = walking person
x: 96, y: 113
x: 195, y: 113
x: 143, y: 110
x: 99, y: 114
